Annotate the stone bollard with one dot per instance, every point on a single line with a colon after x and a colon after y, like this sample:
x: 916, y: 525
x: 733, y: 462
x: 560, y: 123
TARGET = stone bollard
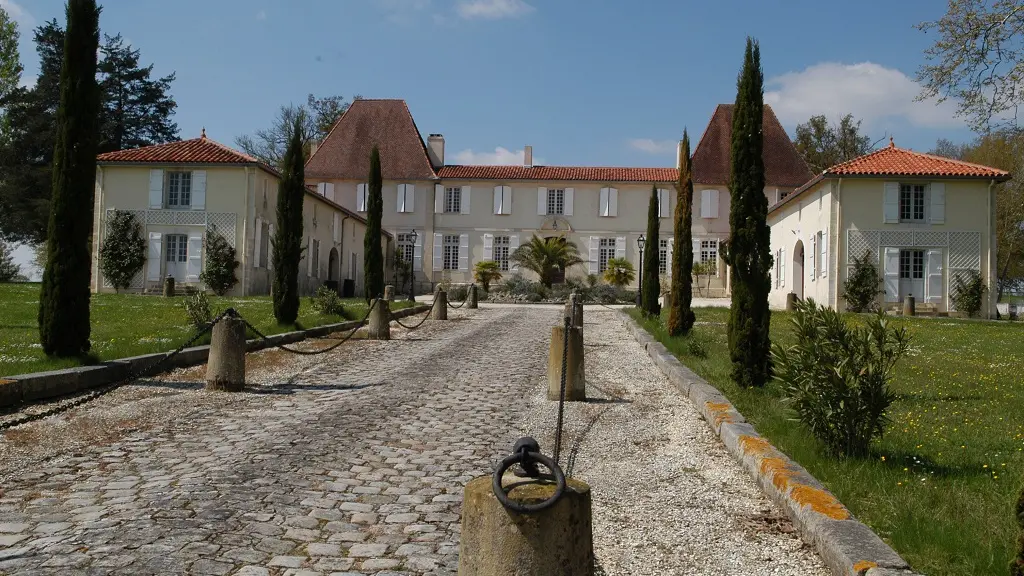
x: 499, y: 542
x: 574, y: 310
x: 472, y: 304
x: 439, y: 311
x: 379, y: 325
x: 575, y: 379
x: 908, y: 305
x: 791, y: 301
x: 225, y: 369
x: 389, y: 293
x: 169, y: 286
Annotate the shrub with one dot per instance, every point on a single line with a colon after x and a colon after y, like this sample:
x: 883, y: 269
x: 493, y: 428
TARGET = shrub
x: 197, y: 308
x: 707, y: 269
x: 219, y: 274
x: 458, y: 293
x: 968, y: 295
x: 861, y: 288
x: 9, y: 271
x: 593, y: 280
x: 486, y: 272
x: 837, y: 376
x: 620, y: 272
x: 327, y: 302
x: 123, y: 253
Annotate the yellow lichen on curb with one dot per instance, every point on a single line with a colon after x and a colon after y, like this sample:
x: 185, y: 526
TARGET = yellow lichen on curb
x: 779, y: 471
x: 754, y: 446
x: 864, y: 566
x: 721, y: 412
x: 820, y: 501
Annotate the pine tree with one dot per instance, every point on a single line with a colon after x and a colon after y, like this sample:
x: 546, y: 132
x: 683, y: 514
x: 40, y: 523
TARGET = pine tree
x: 680, y: 316
x: 373, y: 255
x: 651, y: 283
x: 64, y: 300
x: 8, y: 269
x: 748, y: 250
x: 123, y: 253
x: 287, y: 241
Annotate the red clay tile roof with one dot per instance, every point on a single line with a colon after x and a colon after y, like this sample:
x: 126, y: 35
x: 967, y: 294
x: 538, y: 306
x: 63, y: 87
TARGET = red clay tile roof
x: 893, y: 161
x: 783, y: 165
x: 564, y: 173
x: 345, y: 153
x: 196, y: 151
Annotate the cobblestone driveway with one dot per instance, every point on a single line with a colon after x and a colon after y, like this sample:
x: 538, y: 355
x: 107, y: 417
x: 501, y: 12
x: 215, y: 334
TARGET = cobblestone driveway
x: 354, y: 463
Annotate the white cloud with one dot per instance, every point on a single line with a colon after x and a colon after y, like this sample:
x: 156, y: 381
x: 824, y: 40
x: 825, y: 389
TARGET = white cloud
x: 869, y: 91
x: 493, y: 9
x: 18, y: 13
x: 261, y: 15
x: 403, y: 12
x: 657, y: 147
x: 500, y: 157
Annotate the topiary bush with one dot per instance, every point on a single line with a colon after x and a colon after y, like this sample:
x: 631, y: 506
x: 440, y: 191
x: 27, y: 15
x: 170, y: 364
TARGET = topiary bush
x: 968, y: 295
x: 123, y: 253
x: 197, y: 308
x: 861, y: 289
x: 219, y: 274
x: 327, y: 302
x: 837, y: 376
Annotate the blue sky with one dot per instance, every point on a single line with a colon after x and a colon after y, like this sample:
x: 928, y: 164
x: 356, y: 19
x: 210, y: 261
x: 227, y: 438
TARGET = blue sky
x: 598, y: 82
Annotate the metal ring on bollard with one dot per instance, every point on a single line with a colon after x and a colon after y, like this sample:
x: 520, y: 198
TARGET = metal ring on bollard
x: 526, y: 458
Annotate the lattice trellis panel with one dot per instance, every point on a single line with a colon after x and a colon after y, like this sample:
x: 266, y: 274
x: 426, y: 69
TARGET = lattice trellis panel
x: 860, y: 241
x: 928, y: 238
x: 897, y: 238
x: 965, y: 251
x: 224, y: 224
x: 189, y: 218
x: 160, y: 217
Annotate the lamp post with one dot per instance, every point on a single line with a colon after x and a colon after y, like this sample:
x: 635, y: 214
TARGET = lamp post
x: 412, y: 268
x: 640, y: 287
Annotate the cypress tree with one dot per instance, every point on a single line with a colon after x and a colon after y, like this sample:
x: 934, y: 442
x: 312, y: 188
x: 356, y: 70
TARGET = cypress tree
x: 680, y: 316
x: 287, y: 240
x: 373, y: 254
x: 64, y: 299
x: 748, y: 250
x: 651, y: 284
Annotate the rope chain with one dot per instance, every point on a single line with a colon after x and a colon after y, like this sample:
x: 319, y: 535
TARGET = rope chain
x: 464, y: 300
x: 314, y: 352
x: 418, y: 324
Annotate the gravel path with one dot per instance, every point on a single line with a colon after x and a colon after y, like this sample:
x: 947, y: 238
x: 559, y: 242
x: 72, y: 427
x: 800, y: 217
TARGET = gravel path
x: 354, y: 463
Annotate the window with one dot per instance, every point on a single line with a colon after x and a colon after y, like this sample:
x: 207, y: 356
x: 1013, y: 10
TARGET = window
x: 406, y: 247
x: 605, y: 253
x: 662, y: 256
x: 177, y: 248
x: 709, y: 253
x: 179, y: 189
x: 316, y: 258
x: 911, y: 202
x: 453, y: 200
x: 911, y: 264
x: 501, y: 251
x: 264, y: 244
x: 556, y: 202
x: 451, y: 252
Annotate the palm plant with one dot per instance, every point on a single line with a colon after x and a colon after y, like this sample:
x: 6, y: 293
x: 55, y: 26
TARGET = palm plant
x: 486, y: 272
x: 620, y: 272
x: 546, y: 256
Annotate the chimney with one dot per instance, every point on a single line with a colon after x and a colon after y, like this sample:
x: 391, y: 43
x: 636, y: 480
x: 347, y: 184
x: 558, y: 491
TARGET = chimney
x: 679, y: 155
x: 528, y: 156
x: 435, y: 150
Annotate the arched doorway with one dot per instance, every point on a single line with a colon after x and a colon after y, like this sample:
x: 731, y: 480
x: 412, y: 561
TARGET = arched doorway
x: 798, y: 269
x: 334, y: 265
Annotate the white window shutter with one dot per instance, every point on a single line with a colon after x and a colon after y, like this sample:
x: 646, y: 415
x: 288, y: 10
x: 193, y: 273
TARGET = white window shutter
x: 891, y: 203
x: 488, y: 246
x: 400, y: 198
x: 823, y: 262
x: 569, y: 193
x: 696, y: 251
x: 513, y: 245
x: 438, y: 246
x: 613, y: 202
x: 464, y: 252
x: 155, y: 257
x: 256, y: 244
x: 542, y: 201
x: 438, y: 199
x: 417, y: 253
x: 593, y: 246
x: 506, y: 199
x: 321, y: 188
x: 620, y: 247
x: 668, y: 256
x: 360, y: 197
x: 410, y: 197
x: 195, y: 257
x: 891, y: 273
x: 933, y: 277
x: 603, y: 203
x: 309, y: 257
x: 329, y: 191
x: 782, y: 267
x: 199, y: 190
x: 156, y: 190
x: 337, y: 228
x: 498, y: 196
x: 937, y: 195
x: 663, y: 203
x: 814, y: 256
x: 467, y: 192
x: 714, y: 203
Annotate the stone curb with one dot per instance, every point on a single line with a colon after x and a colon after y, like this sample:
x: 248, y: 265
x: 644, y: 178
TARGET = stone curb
x: 848, y: 547
x: 16, y: 390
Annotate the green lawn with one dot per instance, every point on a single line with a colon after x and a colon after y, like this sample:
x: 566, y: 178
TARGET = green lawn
x: 130, y: 324
x: 941, y: 484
